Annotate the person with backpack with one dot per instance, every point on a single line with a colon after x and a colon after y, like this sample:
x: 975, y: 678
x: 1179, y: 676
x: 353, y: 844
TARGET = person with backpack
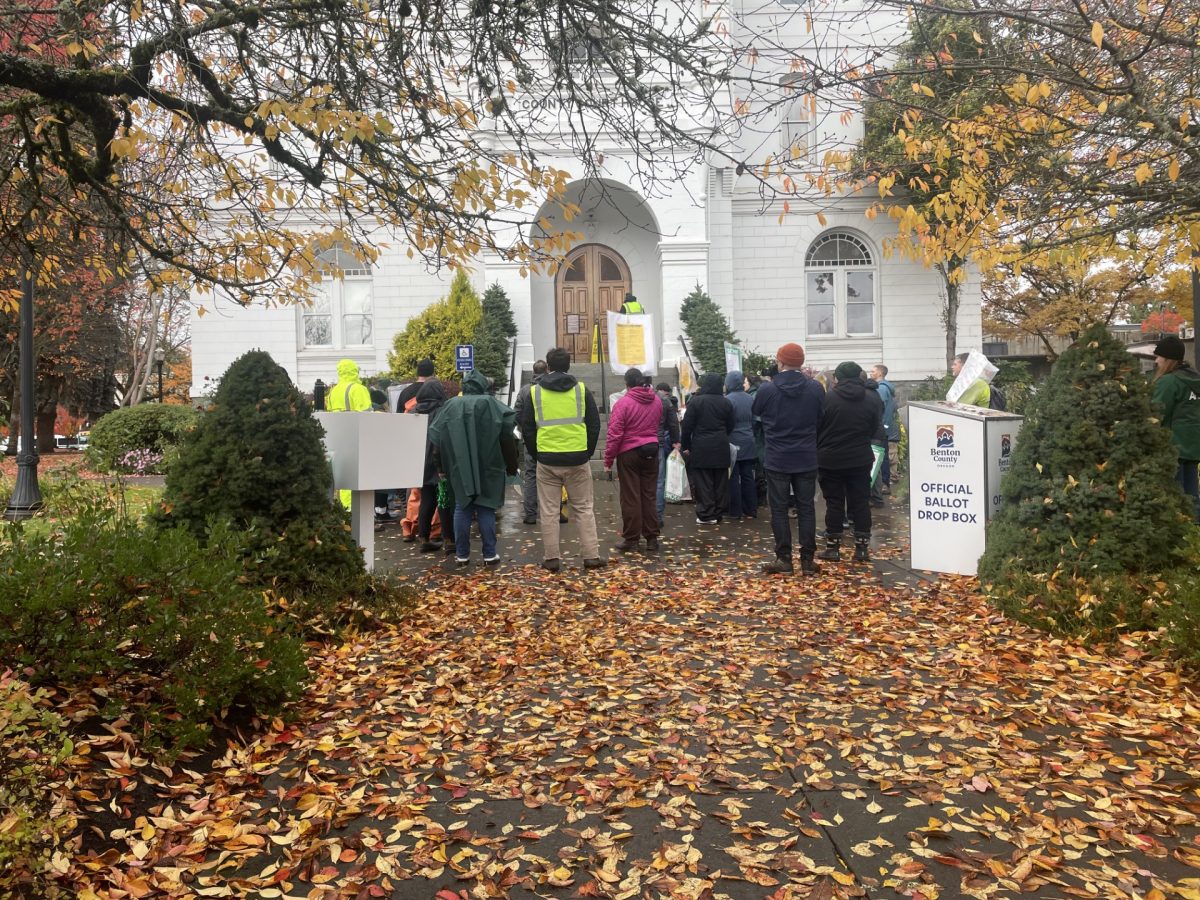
x: 1176, y: 393
x: 979, y: 392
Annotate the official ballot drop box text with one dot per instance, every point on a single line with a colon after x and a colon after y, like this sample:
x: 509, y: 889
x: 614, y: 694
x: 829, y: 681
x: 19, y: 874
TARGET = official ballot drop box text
x: 372, y: 451
x: 957, y: 457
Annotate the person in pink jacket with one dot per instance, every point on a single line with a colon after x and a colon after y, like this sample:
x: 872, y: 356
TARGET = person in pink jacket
x: 632, y: 443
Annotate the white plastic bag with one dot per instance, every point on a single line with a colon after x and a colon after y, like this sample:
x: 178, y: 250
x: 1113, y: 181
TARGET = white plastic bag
x: 676, y: 485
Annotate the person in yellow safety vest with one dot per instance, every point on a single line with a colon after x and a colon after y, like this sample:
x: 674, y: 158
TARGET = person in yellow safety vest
x: 632, y: 307
x: 561, y: 427
x: 349, y: 394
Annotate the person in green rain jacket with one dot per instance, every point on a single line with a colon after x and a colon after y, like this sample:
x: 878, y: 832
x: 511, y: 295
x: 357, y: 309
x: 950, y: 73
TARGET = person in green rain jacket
x: 1177, y: 395
x: 474, y: 446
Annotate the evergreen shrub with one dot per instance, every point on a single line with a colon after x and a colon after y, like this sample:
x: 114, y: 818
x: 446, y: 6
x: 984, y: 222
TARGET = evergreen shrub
x: 707, y: 330
x: 33, y: 821
x: 256, y: 460
x: 155, y: 427
x: 435, y: 332
x: 1092, y: 515
x: 159, y: 619
x: 496, y: 328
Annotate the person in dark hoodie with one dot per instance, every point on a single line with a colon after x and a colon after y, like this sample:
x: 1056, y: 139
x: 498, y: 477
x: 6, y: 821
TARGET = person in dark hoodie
x: 853, y: 415
x: 707, y: 424
x: 743, y: 493
x: 475, y: 447
x: 430, y: 399
x: 561, y: 427
x: 1177, y: 394
x: 529, y: 501
x: 632, y: 445
x: 668, y: 440
x: 790, y: 407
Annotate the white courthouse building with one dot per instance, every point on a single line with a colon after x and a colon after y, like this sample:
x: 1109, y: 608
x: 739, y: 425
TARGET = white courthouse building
x: 828, y: 286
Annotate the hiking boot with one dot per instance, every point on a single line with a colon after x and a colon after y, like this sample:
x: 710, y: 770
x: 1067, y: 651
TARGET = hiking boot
x: 552, y: 565
x: 862, y: 548
x: 626, y: 546
x: 779, y: 567
x: 595, y: 563
x: 651, y: 544
x: 808, y: 565
x: 833, y: 548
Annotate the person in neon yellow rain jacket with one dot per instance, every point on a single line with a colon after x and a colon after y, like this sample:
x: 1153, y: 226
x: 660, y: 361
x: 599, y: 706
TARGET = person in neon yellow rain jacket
x: 349, y: 394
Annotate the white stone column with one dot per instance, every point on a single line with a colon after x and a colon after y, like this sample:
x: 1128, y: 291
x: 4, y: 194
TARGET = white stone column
x: 684, y: 264
x: 518, y: 287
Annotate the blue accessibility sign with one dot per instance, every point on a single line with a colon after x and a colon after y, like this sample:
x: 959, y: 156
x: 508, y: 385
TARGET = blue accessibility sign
x: 464, y: 357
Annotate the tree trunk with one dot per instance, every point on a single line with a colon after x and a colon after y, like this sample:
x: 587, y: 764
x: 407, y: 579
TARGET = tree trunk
x: 44, y: 428
x: 950, y: 301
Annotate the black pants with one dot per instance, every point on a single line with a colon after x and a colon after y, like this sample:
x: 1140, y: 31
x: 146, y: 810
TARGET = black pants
x: 780, y: 486
x: 638, y: 477
x: 709, y: 489
x: 847, y: 490
x: 425, y: 514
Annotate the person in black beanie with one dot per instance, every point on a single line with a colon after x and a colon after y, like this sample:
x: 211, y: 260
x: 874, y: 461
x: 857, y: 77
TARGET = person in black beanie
x: 844, y: 458
x: 408, y: 396
x: 1176, y: 393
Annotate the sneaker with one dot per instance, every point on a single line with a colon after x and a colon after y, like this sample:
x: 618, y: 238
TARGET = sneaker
x: 530, y: 520
x: 651, y: 544
x: 778, y: 567
x: 460, y: 562
x: 595, y: 563
x: 552, y: 565
x: 626, y: 546
x: 700, y: 521
x: 492, y: 560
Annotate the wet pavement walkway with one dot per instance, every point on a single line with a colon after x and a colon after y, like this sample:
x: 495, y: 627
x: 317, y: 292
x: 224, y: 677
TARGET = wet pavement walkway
x: 678, y: 725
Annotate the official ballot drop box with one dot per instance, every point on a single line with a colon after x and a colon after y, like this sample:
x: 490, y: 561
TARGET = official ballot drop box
x: 372, y: 451
x: 957, y: 457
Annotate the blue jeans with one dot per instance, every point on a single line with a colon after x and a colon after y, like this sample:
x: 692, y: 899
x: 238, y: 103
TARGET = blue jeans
x: 743, y: 492
x: 462, y: 529
x: 1188, y: 480
x: 660, y: 500
x: 780, y: 486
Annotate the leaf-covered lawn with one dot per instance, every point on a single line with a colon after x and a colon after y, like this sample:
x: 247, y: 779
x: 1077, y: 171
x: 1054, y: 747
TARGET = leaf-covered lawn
x: 679, y: 731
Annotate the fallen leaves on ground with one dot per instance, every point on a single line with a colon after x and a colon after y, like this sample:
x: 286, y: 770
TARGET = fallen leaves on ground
x: 684, y: 731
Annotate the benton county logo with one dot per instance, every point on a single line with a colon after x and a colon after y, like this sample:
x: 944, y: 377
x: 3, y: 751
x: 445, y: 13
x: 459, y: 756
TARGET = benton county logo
x: 943, y: 453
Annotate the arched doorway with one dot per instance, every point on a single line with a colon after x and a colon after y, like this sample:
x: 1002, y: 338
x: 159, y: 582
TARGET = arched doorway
x: 592, y: 280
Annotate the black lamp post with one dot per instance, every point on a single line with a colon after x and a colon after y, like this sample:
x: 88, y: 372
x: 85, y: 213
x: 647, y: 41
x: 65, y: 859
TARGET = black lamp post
x: 26, y: 496
x: 159, y: 356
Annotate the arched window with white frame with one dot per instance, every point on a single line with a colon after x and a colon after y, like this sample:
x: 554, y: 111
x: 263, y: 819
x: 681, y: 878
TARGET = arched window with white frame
x: 839, y: 277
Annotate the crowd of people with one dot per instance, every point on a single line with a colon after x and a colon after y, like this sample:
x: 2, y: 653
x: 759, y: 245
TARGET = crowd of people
x: 743, y: 440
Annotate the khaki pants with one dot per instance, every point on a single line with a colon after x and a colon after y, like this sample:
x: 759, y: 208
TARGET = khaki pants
x: 578, y: 481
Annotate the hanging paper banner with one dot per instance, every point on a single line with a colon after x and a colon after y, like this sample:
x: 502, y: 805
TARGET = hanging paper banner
x: 631, y: 343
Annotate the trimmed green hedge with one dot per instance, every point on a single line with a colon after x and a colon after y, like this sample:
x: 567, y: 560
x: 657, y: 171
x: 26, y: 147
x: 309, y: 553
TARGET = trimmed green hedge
x: 154, y: 427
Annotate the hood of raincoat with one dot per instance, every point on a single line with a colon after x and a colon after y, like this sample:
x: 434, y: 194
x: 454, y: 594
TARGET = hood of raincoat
x: 430, y: 397
x: 735, y: 381
x: 347, y: 370
x: 475, y: 383
x: 711, y: 383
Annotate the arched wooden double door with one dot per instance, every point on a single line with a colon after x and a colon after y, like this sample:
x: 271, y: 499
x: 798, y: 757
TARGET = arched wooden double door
x: 592, y: 280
